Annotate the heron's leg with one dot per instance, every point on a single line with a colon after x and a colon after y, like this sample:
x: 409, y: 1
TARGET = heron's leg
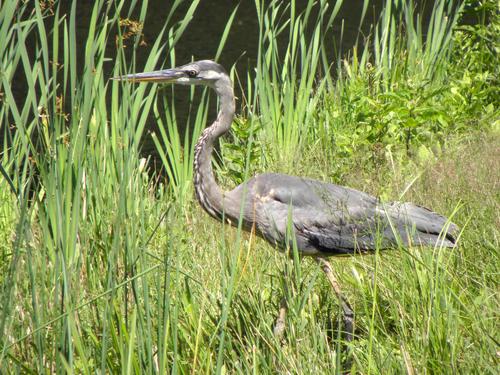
x: 348, y: 315
x: 279, y: 326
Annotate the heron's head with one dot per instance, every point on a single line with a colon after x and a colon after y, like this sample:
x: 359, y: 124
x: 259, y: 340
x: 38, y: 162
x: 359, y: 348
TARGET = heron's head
x: 204, y: 72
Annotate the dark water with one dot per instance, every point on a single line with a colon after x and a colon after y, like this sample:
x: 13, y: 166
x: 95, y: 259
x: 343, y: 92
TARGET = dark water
x: 201, y: 38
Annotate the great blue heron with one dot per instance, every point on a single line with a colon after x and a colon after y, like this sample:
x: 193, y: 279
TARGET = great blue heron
x: 322, y: 219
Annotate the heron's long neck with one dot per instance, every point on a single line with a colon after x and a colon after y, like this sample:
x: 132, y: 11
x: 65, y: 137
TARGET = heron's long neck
x: 209, y: 194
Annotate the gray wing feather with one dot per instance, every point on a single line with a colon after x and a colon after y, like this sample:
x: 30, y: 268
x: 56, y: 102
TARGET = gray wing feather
x: 330, y: 219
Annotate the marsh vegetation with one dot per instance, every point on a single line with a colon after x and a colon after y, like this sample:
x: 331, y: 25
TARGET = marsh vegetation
x: 107, y: 263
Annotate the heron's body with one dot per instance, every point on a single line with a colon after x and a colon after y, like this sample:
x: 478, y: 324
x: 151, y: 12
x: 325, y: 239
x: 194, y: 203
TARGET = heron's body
x: 328, y: 219
x: 321, y: 218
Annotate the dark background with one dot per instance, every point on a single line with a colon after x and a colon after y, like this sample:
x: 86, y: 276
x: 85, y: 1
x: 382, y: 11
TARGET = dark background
x: 201, y: 39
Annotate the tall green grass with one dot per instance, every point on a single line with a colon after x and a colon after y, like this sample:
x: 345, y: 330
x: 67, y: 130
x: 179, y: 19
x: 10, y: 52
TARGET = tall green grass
x: 107, y: 267
x: 177, y: 153
x: 289, y: 61
x: 75, y: 173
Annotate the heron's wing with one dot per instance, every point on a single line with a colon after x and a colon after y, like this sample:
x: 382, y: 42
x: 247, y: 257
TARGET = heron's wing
x: 331, y: 219
x: 322, y: 217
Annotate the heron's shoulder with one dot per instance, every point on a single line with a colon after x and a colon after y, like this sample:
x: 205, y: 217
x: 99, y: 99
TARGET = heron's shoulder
x: 284, y: 188
x: 268, y: 181
x: 301, y: 190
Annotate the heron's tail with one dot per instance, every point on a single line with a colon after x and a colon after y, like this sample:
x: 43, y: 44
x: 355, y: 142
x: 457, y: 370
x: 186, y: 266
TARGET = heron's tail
x: 420, y: 226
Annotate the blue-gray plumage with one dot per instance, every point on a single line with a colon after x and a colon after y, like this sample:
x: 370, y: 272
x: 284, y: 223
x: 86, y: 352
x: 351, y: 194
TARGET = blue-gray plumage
x: 328, y: 219
x: 323, y: 219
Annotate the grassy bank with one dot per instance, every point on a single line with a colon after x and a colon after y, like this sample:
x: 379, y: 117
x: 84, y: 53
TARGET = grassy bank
x: 107, y: 266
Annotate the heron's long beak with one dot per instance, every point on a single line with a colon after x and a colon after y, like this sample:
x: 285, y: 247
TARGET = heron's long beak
x: 159, y: 76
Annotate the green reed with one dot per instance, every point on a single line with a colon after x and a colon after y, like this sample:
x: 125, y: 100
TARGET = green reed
x: 105, y: 266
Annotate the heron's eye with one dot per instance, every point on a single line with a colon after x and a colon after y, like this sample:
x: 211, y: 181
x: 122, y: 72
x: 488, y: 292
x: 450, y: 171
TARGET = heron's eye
x: 191, y: 73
